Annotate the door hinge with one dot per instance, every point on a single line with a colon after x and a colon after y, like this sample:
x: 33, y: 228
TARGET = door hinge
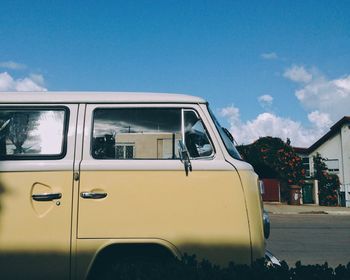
x: 76, y: 176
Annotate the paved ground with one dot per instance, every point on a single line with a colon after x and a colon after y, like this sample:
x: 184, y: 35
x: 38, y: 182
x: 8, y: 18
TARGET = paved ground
x: 311, y: 238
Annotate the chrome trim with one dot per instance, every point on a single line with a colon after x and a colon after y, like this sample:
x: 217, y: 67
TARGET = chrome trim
x: 261, y: 187
x: 266, y: 224
x: 183, y: 125
x: 46, y: 196
x: 93, y: 195
x: 271, y: 259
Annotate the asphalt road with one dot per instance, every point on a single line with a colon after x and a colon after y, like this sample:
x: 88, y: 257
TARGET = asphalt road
x: 312, y: 239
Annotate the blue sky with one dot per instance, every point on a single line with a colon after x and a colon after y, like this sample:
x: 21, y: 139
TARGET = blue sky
x: 293, y: 53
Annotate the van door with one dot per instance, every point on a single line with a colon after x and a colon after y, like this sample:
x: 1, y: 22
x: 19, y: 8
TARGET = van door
x: 133, y: 184
x: 36, y: 161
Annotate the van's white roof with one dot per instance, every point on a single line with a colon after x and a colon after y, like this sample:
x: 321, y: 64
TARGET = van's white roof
x: 96, y: 97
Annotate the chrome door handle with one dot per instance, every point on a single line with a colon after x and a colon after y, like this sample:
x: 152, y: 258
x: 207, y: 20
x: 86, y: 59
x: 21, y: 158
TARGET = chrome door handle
x: 93, y: 195
x: 46, y: 196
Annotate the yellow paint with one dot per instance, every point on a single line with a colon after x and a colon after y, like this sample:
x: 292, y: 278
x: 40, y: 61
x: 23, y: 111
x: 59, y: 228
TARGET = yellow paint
x: 254, y: 208
x: 36, y: 234
x: 41, y: 208
x: 204, y: 213
x: 88, y: 250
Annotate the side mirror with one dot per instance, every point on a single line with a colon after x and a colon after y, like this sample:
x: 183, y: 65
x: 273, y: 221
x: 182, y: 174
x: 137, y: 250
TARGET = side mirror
x: 184, y: 156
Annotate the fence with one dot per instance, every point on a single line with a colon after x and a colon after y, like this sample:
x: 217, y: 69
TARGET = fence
x: 345, y: 188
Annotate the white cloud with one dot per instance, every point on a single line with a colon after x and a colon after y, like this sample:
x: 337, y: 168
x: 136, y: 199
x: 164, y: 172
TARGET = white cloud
x: 327, y: 96
x: 325, y: 101
x: 343, y: 83
x: 231, y: 112
x: 265, y: 100
x: 319, y: 120
x: 269, y: 56
x: 317, y: 93
x: 12, y: 65
x: 37, y: 78
x: 6, y: 81
x: 34, y: 82
x: 269, y: 124
x: 298, y: 74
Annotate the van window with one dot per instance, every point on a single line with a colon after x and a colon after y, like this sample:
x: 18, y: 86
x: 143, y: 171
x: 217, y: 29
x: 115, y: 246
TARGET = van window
x: 136, y: 133
x: 147, y: 133
x: 31, y: 133
x: 196, y: 137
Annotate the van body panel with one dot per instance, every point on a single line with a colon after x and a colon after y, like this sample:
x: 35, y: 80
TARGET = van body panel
x: 89, y: 250
x: 197, y: 213
x: 96, y: 97
x: 255, y: 212
x: 215, y: 212
x: 202, y: 213
x: 35, y: 235
x: 252, y: 195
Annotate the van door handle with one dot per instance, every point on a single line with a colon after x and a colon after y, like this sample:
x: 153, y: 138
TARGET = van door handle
x: 93, y: 195
x: 46, y: 196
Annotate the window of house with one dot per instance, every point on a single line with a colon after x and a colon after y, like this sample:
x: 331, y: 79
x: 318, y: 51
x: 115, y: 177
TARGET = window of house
x: 306, y: 166
x: 32, y: 133
x: 332, y: 165
x: 147, y: 133
x: 124, y: 151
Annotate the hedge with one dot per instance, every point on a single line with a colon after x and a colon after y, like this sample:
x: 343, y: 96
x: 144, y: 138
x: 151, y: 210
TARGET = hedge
x: 190, y: 269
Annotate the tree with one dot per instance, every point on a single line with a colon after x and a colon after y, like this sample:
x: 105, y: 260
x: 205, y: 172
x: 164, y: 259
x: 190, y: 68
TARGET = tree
x: 18, y: 132
x: 328, y: 183
x: 3, y: 131
x: 273, y: 158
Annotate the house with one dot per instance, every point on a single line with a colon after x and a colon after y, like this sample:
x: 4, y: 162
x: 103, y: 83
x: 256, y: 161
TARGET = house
x: 125, y: 145
x: 334, y: 146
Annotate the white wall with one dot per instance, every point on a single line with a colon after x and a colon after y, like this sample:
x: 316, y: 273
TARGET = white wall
x: 331, y: 149
x: 345, y: 139
x: 338, y: 147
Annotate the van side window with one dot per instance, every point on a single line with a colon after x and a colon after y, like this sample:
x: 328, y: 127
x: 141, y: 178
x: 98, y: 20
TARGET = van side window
x: 31, y: 133
x: 148, y: 133
x: 136, y: 133
x: 196, y: 137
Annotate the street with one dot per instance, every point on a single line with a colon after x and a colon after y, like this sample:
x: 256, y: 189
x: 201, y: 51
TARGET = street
x: 310, y: 238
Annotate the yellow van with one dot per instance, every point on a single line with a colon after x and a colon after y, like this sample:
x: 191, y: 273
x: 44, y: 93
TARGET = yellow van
x: 86, y: 176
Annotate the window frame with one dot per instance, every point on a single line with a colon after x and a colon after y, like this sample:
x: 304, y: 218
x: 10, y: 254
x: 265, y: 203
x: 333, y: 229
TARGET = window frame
x: 181, y: 109
x: 124, y: 145
x: 218, y: 128
x: 63, y: 152
x: 333, y: 170
x: 306, y: 165
x: 212, y: 155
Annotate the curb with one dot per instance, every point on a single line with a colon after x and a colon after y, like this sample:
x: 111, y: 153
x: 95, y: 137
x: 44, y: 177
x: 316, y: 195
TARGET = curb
x: 344, y: 213
x: 338, y: 212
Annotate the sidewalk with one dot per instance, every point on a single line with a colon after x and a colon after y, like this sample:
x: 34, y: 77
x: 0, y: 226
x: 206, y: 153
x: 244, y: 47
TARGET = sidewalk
x: 285, y: 209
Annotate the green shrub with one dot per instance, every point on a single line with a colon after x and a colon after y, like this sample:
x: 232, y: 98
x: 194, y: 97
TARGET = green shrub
x: 328, y: 184
x: 190, y: 269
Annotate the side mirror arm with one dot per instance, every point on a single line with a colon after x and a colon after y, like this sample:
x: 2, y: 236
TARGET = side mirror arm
x: 185, y: 158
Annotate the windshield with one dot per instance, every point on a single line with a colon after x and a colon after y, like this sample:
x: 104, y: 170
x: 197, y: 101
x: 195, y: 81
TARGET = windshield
x: 230, y: 147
